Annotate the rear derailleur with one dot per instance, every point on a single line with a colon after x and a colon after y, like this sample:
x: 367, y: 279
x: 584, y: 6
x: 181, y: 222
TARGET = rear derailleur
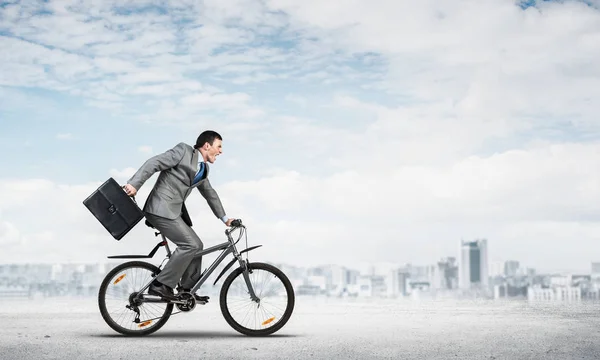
x: 133, y: 306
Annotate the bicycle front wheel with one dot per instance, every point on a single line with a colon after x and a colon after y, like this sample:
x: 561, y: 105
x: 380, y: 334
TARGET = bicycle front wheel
x: 116, y: 299
x: 276, y: 300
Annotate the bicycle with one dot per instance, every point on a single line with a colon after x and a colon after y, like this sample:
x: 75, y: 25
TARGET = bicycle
x: 135, y: 310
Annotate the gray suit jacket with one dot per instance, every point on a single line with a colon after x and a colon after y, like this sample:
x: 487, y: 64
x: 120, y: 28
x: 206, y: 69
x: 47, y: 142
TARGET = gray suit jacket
x: 178, y: 167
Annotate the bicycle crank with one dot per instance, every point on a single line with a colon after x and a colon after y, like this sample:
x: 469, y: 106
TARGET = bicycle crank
x: 187, y: 302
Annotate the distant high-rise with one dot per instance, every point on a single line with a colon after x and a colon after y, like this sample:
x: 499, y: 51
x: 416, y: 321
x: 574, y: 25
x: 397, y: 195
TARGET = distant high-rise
x: 473, y: 267
x: 596, y: 269
x: 398, y: 278
x: 445, y: 274
x: 510, y: 268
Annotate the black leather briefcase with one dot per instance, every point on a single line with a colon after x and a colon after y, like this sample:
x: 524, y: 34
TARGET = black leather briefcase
x: 115, y: 210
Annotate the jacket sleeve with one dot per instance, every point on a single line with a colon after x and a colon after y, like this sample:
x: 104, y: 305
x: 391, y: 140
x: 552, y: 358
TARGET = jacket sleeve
x: 160, y: 162
x: 212, y: 198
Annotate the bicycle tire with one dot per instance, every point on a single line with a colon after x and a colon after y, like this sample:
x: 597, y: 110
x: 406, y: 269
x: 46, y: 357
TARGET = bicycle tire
x: 289, y: 306
x: 102, y: 302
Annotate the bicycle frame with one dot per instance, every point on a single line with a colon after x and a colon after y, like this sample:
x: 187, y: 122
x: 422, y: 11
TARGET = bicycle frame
x: 227, y: 248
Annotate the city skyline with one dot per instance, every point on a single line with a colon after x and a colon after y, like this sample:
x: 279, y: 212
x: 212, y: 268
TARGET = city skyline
x: 445, y: 279
x: 116, y: 248
x: 468, y: 275
x: 491, y: 266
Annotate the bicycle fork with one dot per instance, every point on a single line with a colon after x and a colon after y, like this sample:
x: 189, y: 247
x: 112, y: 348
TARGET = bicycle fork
x: 245, y: 273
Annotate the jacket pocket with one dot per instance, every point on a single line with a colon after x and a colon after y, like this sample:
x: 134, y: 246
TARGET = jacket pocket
x: 165, y: 194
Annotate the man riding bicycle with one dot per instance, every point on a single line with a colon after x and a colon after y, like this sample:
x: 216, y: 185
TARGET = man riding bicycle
x: 182, y: 169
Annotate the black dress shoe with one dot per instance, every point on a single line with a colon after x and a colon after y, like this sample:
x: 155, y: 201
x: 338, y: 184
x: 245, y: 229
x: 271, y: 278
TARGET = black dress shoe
x: 162, y: 290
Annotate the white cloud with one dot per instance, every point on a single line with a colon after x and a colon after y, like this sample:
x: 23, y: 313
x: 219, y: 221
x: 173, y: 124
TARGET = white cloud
x: 9, y: 235
x: 492, y: 58
x: 113, y: 60
x: 296, y: 99
x: 46, y: 54
x: 122, y: 176
x: 141, y: 77
x: 511, y: 186
x: 409, y: 214
x: 145, y: 149
x: 528, y: 191
x: 222, y: 100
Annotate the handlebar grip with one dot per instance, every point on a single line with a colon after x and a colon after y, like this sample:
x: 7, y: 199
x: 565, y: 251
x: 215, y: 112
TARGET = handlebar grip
x: 236, y: 223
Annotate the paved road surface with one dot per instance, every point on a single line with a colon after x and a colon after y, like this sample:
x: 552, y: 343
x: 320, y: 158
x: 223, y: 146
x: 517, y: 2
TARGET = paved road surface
x: 319, y: 329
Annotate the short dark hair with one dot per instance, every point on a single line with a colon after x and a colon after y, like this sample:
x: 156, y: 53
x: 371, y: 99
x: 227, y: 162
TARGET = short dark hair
x: 207, y: 136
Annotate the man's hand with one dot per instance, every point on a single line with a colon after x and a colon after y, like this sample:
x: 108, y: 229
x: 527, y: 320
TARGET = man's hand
x: 228, y: 222
x: 130, y: 190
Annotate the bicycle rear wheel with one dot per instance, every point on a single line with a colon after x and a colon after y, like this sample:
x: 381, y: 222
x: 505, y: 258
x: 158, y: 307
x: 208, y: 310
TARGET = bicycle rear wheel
x: 117, y: 292
x: 276, y: 295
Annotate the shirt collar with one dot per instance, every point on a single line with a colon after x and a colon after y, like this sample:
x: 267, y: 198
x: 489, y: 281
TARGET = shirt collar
x: 200, y: 158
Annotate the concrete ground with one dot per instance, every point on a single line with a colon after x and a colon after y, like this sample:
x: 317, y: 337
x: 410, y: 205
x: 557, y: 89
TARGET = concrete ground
x: 320, y: 328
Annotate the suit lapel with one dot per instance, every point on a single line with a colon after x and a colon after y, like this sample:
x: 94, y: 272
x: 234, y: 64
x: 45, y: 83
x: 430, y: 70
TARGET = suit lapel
x: 193, y: 167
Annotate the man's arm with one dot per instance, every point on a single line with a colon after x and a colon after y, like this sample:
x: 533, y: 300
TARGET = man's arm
x: 160, y: 162
x: 213, y: 200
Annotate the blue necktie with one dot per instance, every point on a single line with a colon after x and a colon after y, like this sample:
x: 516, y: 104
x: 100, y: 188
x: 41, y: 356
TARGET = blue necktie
x: 200, y: 173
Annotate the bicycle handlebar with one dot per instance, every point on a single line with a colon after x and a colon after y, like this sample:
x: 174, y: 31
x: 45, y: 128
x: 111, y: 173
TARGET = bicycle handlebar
x: 235, y: 224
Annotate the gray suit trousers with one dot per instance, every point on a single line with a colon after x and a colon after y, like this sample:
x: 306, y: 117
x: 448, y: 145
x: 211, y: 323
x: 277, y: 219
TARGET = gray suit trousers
x: 182, y: 264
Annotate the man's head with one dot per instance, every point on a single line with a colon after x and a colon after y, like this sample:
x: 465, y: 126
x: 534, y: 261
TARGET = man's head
x: 209, y: 145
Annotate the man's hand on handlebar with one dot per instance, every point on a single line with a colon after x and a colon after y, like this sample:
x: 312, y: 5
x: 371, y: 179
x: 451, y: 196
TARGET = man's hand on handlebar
x: 233, y: 222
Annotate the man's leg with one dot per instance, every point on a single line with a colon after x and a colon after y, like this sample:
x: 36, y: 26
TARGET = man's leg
x: 192, y: 274
x: 182, y: 262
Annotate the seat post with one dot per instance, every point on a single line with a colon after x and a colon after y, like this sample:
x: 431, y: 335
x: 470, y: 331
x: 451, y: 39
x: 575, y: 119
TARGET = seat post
x: 166, y: 245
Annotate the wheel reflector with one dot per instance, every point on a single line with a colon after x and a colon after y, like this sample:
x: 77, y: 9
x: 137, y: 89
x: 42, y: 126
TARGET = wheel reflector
x: 145, y: 323
x: 268, y: 321
x: 119, y: 279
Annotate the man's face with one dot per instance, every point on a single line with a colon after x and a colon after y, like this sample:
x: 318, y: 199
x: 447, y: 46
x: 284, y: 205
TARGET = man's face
x: 214, y: 150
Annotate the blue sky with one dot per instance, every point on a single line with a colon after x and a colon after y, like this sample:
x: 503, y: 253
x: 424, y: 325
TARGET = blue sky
x: 404, y: 126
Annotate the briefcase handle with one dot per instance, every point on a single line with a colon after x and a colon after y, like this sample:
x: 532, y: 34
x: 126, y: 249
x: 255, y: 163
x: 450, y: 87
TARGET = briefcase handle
x: 132, y: 197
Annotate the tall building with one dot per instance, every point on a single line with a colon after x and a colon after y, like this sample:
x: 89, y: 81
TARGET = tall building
x: 595, y: 269
x: 473, y: 267
x: 398, y: 279
x: 445, y: 273
x: 510, y: 268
